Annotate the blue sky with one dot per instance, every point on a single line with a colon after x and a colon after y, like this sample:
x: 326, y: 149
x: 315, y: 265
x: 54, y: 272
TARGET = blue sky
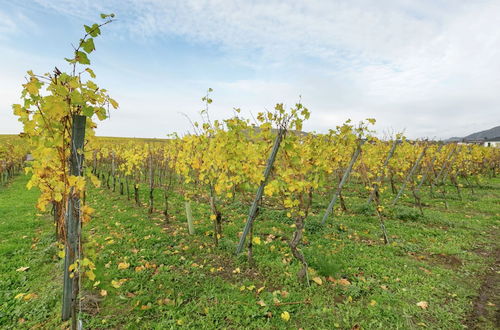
x: 431, y: 68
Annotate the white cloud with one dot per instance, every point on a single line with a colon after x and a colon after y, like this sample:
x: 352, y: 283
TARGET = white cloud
x: 428, y: 66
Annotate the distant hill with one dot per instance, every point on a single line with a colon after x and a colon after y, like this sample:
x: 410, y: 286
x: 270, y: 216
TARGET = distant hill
x: 483, y: 135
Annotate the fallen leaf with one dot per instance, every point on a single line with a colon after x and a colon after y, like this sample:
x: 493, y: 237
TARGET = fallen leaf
x: 317, y: 280
x: 19, y: 295
x: 256, y: 240
x: 117, y: 284
x: 285, y: 316
x: 343, y: 282
x: 22, y: 269
x: 123, y: 265
x: 423, y: 304
x: 30, y: 296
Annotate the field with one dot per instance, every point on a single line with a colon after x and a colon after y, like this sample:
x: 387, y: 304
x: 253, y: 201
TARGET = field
x: 440, y: 270
x: 256, y: 216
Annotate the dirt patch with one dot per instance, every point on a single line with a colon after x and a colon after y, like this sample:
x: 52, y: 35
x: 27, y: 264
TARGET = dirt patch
x: 485, y: 306
x: 438, y: 259
x: 225, y: 268
x: 90, y: 303
x: 449, y: 261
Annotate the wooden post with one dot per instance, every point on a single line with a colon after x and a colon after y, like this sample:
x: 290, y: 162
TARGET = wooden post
x: 347, y: 171
x: 409, y: 176
x: 381, y: 176
x: 73, y: 227
x: 260, y: 191
x: 189, y: 216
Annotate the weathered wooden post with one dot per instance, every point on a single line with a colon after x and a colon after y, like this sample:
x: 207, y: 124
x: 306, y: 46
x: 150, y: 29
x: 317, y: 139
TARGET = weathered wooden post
x: 255, y: 205
x: 73, y: 226
x: 347, y: 172
x: 189, y: 216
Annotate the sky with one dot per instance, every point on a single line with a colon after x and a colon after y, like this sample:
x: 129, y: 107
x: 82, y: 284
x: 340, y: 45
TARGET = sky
x: 428, y: 67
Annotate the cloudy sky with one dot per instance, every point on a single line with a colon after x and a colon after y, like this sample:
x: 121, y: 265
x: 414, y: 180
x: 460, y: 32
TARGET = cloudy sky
x: 431, y: 67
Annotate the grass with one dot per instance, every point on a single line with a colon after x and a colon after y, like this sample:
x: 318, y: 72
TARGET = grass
x: 177, y: 280
x: 26, y: 240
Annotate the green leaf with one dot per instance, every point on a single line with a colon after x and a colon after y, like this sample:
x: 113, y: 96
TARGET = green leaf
x: 88, y: 45
x: 88, y: 111
x: 104, y: 16
x: 113, y: 103
x: 91, y: 72
x: 93, y: 30
x: 82, y: 58
x: 77, y: 98
x: 101, y: 113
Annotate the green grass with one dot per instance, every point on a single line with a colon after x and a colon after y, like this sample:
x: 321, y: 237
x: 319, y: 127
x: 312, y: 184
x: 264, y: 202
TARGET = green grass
x: 184, y: 280
x: 27, y: 240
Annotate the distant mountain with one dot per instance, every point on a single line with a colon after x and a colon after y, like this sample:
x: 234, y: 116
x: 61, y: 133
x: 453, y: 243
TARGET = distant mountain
x: 483, y: 135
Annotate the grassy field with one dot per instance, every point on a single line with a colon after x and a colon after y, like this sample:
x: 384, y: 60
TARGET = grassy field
x: 439, y: 272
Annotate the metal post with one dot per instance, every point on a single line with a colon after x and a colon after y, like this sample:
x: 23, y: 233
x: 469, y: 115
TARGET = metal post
x: 73, y: 232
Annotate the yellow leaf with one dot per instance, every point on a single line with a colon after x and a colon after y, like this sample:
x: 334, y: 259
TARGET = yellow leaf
x: 285, y: 316
x: 58, y: 197
x: 261, y: 303
x: 373, y: 303
x: 318, y: 280
x: 117, y: 284
x: 237, y: 271
x: 30, y: 296
x: 19, y: 296
x: 103, y: 293
x: 123, y: 265
x: 90, y: 274
x: 256, y: 240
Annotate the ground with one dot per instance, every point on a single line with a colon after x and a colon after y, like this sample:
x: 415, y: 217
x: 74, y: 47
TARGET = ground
x: 440, y: 270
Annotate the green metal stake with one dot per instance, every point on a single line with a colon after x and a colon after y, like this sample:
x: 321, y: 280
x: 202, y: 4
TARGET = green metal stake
x: 73, y: 232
